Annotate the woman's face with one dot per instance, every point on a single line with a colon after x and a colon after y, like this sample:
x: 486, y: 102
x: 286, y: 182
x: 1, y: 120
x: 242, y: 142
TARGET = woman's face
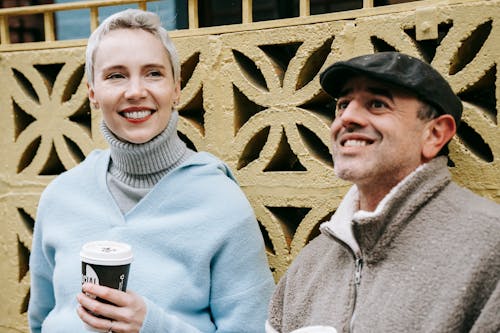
x: 133, y: 84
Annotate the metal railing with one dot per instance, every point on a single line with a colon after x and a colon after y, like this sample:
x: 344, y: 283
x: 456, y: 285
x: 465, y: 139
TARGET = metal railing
x: 368, y: 8
x: 49, y: 10
x: 48, y: 14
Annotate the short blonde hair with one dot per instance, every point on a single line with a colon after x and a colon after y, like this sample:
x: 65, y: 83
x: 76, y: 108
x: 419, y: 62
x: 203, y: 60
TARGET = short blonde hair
x: 131, y: 19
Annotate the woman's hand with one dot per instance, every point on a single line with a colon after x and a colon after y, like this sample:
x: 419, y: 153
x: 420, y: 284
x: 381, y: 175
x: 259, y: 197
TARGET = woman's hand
x: 125, y: 315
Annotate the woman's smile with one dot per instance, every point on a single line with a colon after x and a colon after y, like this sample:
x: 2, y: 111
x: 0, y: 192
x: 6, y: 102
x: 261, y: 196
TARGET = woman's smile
x: 137, y: 114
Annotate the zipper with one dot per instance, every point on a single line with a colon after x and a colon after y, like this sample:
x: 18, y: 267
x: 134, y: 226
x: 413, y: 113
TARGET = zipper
x: 358, y: 266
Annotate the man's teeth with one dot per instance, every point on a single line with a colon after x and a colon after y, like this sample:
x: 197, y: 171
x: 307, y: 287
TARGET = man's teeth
x: 137, y: 114
x: 355, y: 143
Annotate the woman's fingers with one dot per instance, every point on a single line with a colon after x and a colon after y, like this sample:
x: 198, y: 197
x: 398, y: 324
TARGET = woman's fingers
x: 117, y: 297
x: 101, y: 324
x: 97, y: 308
x: 127, y: 310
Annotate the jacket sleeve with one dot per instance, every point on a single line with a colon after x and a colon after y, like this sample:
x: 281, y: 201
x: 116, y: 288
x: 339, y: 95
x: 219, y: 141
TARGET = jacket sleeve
x: 242, y: 283
x: 41, y: 290
x: 157, y: 320
x: 489, y: 319
x: 240, y: 288
x: 275, y: 314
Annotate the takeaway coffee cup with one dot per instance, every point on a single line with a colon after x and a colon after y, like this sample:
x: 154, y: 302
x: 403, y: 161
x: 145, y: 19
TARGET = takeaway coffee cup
x: 106, y: 263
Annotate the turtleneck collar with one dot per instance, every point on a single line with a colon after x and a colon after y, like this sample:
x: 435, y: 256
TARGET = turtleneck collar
x: 143, y: 165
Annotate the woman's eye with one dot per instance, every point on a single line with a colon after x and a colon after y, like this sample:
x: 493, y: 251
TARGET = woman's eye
x: 155, y: 73
x: 114, y: 76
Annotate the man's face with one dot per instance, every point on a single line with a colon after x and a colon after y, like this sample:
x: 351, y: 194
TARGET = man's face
x: 377, y: 138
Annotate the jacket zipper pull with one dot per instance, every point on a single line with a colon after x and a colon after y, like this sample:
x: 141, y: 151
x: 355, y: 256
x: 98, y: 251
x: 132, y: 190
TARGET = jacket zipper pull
x: 357, y: 281
x: 357, y: 275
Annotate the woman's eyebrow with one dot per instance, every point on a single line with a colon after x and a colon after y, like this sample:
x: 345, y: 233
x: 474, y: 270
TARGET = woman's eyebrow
x: 155, y: 65
x: 113, y: 68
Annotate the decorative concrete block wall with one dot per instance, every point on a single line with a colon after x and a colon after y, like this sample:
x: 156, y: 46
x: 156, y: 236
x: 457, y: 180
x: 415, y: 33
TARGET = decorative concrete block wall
x: 252, y: 97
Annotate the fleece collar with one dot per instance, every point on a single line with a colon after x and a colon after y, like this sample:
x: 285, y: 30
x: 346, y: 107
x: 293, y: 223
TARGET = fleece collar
x: 367, y: 234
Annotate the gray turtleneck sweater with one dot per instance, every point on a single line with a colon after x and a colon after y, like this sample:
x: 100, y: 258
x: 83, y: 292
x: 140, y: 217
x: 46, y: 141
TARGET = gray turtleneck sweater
x: 135, y: 169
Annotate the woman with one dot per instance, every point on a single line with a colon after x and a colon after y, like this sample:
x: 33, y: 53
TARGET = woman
x: 199, y: 260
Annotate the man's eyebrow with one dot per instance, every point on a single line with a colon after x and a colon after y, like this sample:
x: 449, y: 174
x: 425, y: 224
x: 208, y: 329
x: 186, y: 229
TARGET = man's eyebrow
x: 373, y: 90
x: 381, y: 91
x: 345, y: 91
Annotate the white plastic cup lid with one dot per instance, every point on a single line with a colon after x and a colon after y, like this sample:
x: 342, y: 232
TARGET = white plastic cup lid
x: 106, y: 253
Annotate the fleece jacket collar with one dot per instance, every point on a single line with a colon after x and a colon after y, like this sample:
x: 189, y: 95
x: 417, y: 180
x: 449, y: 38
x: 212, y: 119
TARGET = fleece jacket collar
x: 367, y: 234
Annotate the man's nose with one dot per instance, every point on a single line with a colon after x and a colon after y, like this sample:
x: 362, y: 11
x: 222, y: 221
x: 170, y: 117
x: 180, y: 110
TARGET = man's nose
x: 354, y: 113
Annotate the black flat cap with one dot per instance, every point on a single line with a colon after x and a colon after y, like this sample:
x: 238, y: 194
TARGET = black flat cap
x: 400, y: 70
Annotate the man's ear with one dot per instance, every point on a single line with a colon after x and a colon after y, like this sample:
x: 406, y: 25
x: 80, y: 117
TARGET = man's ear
x: 92, y: 99
x: 438, y: 133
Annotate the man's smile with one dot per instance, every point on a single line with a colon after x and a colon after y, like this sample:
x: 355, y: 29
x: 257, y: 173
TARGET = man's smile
x: 355, y: 140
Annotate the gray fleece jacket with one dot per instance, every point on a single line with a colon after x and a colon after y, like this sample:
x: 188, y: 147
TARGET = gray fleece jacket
x: 426, y: 260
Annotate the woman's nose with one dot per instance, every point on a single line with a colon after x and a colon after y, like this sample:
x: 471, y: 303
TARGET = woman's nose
x: 135, y: 89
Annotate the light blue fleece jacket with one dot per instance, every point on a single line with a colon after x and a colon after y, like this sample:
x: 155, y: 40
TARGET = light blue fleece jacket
x: 199, y: 259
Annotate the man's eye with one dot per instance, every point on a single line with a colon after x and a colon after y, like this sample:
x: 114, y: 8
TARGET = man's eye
x: 378, y: 104
x: 341, y: 105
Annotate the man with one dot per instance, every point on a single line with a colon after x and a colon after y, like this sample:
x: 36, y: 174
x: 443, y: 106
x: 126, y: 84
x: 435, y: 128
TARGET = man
x: 407, y: 250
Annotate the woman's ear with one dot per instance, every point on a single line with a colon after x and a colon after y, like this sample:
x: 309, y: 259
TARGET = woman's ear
x: 439, y: 132
x: 92, y: 99
x: 177, y: 92
x: 176, y: 95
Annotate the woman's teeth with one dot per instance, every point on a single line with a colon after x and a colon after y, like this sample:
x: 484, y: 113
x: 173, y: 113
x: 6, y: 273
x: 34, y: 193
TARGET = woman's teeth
x: 355, y: 143
x: 136, y: 114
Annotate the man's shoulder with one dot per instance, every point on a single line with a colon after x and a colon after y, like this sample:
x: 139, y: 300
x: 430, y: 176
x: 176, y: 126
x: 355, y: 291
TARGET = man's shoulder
x: 465, y: 201
x: 459, y: 210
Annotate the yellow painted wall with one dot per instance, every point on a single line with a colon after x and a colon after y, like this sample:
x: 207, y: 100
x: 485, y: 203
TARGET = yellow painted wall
x: 251, y: 96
